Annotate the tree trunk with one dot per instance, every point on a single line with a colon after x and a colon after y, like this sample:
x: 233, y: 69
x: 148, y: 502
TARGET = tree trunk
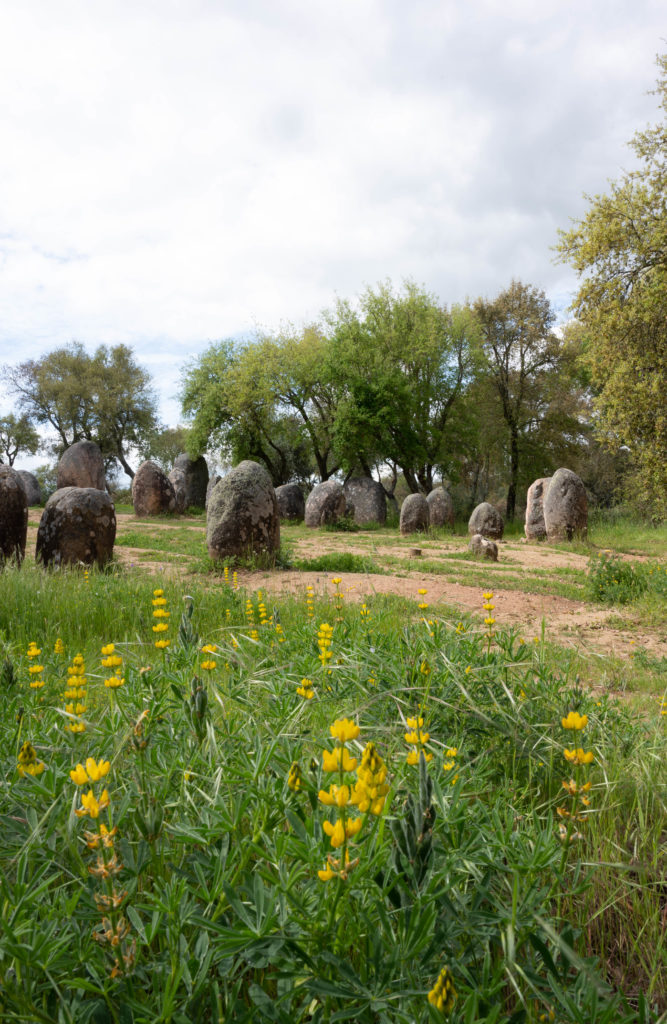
x: 514, y: 476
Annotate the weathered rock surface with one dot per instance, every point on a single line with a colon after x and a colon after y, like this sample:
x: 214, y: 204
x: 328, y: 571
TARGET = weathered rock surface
x: 242, y: 515
x: 13, y: 515
x: 195, y: 472
x: 486, y: 520
x: 211, y: 484
x: 326, y: 504
x: 535, y: 528
x: 365, y: 500
x: 565, y: 507
x: 415, y: 515
x: 78, y: 524
x: 178, y: 481
x: 81, y: 465
x: 291, y: 502
x: 441, y: 507
x: 152, y: 491
x: 483, y: 548
x: 32, y: 489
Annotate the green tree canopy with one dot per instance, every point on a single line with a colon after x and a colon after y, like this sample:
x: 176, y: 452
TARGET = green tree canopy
x: 105, y: 397
x: 531, y: 372
x: 619, y: 249
x: 401, y: 362
x: 17, y: 435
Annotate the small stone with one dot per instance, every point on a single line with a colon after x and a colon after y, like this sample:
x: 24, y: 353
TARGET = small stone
x: 483, y: 548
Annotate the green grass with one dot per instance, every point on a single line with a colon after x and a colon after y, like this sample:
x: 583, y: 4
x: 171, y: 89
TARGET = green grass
x: 222, y: 915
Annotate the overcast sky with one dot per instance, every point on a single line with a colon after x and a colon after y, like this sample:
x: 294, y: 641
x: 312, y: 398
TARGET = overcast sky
x: 179, y: 171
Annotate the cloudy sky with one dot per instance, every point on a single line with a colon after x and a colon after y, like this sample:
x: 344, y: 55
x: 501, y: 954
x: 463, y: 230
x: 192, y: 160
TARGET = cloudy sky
x: 177, y: 171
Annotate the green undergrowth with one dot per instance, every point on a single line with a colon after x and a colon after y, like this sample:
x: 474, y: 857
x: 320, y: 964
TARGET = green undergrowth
x: 203, y: 866
x: 613, y: 580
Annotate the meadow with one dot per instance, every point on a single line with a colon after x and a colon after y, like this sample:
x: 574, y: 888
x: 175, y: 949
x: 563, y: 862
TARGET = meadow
x: 221, y: 802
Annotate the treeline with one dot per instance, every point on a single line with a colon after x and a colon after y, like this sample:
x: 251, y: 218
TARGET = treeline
x: 400, y: 386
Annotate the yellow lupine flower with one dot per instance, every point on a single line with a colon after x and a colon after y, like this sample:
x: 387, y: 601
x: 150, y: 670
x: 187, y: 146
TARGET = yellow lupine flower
x: 90, y: 805
x: 443, y: 993
x: 579, y: 756
x: 344, y: 730
x: 574, y: 721
x: 334, y: 760
x: 337, y: 796
x: 96, y: 769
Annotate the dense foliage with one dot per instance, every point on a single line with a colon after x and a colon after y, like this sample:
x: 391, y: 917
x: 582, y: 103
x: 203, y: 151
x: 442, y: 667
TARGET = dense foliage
x: 620, y: 250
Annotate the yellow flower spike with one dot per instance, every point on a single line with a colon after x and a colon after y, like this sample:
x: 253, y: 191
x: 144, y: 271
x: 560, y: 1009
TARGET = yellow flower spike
x: 59, y: 647
x: 414, y: 723
x: 161, y: 627
x: 451, y: 752
x: 352, y: 827
x: 113, y: 682
x: 337, y: 580
x: 488, y: 595
x: 337, y: 796
x: 448, y: 765
x: 108, y: 649
x: 158, y: 593
x: 574, y: 721
x: 79, y: 775
x: 295, y: 778
x: 344, y: 730
x: 443, y: 994
x: 208, y: 665
x: 34, y: 669
x: 96, y: 769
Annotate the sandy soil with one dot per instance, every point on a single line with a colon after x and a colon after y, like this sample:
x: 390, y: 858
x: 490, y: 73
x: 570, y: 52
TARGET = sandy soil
x: 568, y: 622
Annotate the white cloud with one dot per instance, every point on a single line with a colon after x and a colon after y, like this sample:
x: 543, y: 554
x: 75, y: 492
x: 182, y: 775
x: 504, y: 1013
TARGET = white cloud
x: 175, y: 172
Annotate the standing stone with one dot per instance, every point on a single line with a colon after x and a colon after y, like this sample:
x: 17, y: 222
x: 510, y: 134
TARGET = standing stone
x: 486, y: 520
x: 565, y: 507
x: 209, y: 488
x: 291, y: 502
x: 483, y: 548
x: 178, y: 481
x: 152, y: 491
x: 78, y: 524
x: 365, y: 500
x: 196, y: 479
x: 13, y: 516
x: 32, y: 489
x: 325, y: 504
x: 242, y: 516
x: 81, y: 465
x: 441, y: 507
x: 535, y: 528
x: 415, y: 514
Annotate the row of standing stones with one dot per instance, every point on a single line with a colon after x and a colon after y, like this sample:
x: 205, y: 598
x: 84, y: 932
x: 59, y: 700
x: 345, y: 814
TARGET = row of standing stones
x: 78, y: 523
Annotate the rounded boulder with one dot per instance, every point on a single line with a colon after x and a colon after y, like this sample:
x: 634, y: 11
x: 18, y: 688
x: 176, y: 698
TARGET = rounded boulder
x: 486, y: 520
x: 325, y: 504
x: 535, y: 527
x: 441, y: 507
x: 291, y: 502
x: 81, y: 465
x: 415, y: 515
x: 242, y: 515
x: 565, y: 507
x: 32, y: 489
x: 78, y: 525
x: 152, y: 491
x: 365, y: 500
x: 13, y: 515
x: 195, y: 472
